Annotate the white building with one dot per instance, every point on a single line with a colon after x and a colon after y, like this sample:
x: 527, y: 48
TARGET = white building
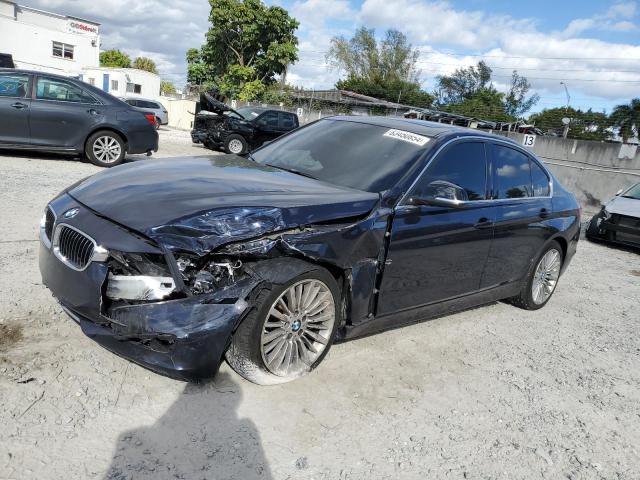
x: 123, y: 82
x: 48, y: 42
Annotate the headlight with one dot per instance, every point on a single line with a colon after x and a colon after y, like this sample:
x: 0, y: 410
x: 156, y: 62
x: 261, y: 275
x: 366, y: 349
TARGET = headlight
x: 139, y: 287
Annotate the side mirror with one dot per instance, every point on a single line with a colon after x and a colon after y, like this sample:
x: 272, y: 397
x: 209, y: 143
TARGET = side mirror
x: 441, y: 193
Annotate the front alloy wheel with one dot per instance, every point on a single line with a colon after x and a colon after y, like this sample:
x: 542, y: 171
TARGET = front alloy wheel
x: 289, y: 331
x: 297, y: 328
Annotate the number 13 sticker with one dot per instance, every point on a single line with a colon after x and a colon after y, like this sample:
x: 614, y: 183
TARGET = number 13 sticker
x: 529, y: 140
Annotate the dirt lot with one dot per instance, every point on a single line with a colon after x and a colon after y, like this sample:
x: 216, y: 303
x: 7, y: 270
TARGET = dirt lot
x: 490, y: 393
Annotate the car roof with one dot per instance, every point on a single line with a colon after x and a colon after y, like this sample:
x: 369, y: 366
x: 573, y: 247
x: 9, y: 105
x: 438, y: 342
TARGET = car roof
x: 420, y: 127
x: 35, y: 72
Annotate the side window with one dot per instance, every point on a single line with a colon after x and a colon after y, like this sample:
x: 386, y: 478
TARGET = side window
x: 269, y: 119
x: 54, y: 89
x: 287, y: 120
x: 13, y: 85
x: 462, y: 165
x: 539, y: 180
x: 511, y: 173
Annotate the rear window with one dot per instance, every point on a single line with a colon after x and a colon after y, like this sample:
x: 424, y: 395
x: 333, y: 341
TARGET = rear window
x: 512, y: 173
x: 351, y: 154
x: 145, y: 104
x: 287, y: 120
x: 539, y: 180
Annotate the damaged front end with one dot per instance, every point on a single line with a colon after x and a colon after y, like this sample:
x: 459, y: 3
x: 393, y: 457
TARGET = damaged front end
x: 170, y: 298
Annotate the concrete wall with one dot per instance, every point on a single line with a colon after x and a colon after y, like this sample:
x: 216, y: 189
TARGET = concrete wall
x: 593, y: 171
x: 180, y: 112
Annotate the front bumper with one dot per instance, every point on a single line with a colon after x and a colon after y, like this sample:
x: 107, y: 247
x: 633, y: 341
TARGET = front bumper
x: 615, y: 228
x: 183, y: 338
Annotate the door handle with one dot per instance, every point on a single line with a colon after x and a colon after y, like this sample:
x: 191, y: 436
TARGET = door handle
x: 19, y: 105
x: 483, y: 223
x: 544, y: 213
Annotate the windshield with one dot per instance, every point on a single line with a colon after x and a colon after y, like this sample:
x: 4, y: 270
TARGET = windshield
x: 248, y: 113
x: 347, y: 153
x: 633, y: 192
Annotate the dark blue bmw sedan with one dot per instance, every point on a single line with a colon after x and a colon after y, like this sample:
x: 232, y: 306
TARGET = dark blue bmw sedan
x: 341, y: 228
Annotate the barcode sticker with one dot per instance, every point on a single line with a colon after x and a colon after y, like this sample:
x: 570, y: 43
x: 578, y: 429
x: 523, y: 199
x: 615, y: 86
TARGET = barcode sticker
x: 407, y: 136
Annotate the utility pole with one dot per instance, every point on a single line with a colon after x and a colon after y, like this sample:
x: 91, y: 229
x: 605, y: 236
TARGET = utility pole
x: 565, y: 131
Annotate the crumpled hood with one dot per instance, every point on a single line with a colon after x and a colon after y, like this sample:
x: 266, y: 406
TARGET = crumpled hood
x: 624, y: 206
x: 178, y: 197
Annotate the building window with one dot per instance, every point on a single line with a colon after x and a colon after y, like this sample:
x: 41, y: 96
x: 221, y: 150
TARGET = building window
x: 91, y: 81
x: 134, y: 88
x: 63, y: 50
x: 114, y: 85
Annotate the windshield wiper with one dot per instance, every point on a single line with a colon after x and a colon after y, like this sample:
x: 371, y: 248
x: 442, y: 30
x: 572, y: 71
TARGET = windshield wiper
x: 629, y: 196
x: 292, y: 170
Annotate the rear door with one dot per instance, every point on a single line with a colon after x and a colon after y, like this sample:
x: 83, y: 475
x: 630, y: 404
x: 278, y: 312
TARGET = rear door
x: 62, y: 113
x: 267, y: 127
x: 522, y: 192
x: 15, y: 107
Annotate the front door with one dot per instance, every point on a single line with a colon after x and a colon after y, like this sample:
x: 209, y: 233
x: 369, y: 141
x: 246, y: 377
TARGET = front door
x: 62, y: 113
x: 15, y: 107
x: 439, y: 252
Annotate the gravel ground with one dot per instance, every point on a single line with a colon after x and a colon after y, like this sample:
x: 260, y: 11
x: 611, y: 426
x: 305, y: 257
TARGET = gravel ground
x: 489, y: 393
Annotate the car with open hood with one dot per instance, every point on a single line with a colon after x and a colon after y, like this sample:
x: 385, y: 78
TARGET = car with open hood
x: 218, y: 126
x: 345, y: 227
x: 618, y: 220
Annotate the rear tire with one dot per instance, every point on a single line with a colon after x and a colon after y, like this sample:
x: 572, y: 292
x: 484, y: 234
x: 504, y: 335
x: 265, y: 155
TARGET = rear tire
x: 105, y: 149
x: 236, y: 144
x: 541, y: 280
x: 258, y: 341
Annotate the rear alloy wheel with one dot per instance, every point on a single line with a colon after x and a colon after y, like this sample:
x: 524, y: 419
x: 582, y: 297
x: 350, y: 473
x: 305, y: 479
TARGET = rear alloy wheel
x: 236, y: 144
x: 541, y: 279
x: 105, y: 149
x: 289, y: 332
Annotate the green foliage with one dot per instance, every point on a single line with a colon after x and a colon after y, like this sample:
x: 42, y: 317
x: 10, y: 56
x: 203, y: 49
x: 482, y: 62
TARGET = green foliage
x: 146, y: 64
x: 627, y: 119
x: 587, y: 125
x: 247, y: 46
x: 516, y: 102
x: 484, y: 103
x: 114, y: 58
x: 385, y: 69
x: 463, y: 84
x: 167, y: 88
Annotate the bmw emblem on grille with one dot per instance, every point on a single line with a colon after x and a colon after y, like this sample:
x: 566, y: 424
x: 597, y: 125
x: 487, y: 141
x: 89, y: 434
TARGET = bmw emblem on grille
x: 71, y: 213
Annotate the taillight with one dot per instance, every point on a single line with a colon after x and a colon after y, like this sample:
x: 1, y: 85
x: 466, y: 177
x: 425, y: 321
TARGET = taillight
x: 151, y: 118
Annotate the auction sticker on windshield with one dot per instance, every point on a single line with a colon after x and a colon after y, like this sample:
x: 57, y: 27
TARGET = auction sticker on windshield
x: 407, y: 136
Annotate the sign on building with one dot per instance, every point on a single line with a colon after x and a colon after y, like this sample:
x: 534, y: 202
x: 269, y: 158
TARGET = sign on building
x: 529, y: 140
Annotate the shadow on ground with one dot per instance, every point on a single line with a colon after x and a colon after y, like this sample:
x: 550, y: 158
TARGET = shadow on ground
x: 199, y: 437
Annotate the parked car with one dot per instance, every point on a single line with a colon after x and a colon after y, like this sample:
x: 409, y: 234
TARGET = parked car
x: 41, y: 111
x: 619, y: 219
x: 162, y: 116
x: 347, y: 226
x: 238, y: 131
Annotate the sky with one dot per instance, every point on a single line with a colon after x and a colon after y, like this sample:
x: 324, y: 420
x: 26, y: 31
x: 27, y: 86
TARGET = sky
x: 592, y: 46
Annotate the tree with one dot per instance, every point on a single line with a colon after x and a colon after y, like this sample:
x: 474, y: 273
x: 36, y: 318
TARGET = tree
x: 463, y: 84
x: 583, y: 125
x: 485, y: 103
x: 627, y: 119
x: 114, y: 58
x: 385, y: 69
x: 516, y: 102
x: 145, y: 63
x: 247, y: 46
x: 166, y: 87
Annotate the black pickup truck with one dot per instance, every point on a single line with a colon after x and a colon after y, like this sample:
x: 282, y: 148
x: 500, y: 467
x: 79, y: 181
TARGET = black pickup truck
x: 238, y: 131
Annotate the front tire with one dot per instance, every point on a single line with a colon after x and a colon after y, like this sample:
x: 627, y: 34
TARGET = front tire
x: 236, y: 144
x: 289, y: 332
x: 542, y: 279
x: 105, y: 149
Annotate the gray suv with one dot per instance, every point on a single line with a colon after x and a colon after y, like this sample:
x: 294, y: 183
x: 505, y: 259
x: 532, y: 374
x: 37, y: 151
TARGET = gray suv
x: 41, y: 111
x: 162, y: 116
